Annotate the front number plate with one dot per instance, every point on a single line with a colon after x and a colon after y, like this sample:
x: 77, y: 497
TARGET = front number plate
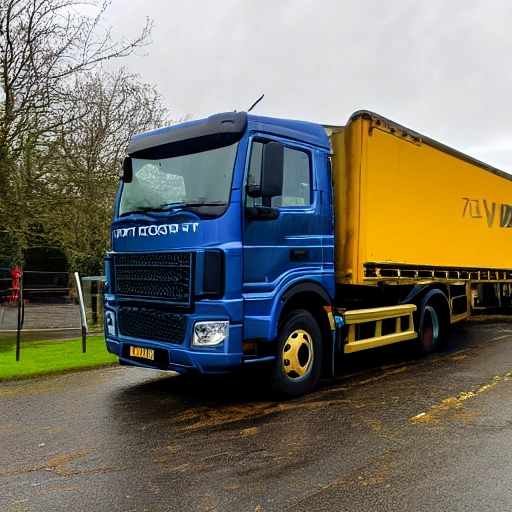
x: 144, y: 353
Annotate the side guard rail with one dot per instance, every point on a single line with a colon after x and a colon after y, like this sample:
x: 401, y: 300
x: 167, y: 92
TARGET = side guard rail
x: 353, y: 319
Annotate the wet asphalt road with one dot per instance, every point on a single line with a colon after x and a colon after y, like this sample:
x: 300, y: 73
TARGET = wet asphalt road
x: 394, y: 433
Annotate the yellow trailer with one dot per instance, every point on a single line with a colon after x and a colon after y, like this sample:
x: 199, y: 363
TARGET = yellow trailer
x: 405, y: 201
x: 411, y: 211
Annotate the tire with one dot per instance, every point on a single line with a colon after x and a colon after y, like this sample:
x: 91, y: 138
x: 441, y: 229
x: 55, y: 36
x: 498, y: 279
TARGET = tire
x: 429, y: 330
x: 298, y: 357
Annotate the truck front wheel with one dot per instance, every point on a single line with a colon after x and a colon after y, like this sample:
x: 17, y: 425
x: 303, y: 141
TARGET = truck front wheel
x: 299, y: 355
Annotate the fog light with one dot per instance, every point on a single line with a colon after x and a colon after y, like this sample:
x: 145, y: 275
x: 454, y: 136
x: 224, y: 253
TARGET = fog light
x: 208, y: 334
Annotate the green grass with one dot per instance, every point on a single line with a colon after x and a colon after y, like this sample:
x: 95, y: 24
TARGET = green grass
x: 38, y: 358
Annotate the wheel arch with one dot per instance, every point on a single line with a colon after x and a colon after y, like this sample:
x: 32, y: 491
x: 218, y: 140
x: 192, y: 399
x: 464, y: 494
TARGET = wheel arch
x: 436, y: 298
x: 314, y: 298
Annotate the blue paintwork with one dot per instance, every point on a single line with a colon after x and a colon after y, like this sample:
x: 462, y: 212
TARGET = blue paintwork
x: 257, y: 253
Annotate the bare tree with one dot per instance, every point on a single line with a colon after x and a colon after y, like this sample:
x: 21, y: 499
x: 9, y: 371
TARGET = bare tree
x: 108, y: 108
x: 45, y: 47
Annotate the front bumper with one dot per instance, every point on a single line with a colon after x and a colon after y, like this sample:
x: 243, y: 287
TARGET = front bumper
x: 223, y: 358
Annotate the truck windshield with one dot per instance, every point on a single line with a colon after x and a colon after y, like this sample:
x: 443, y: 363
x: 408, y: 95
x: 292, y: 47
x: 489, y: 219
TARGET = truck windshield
x: 194, y: 180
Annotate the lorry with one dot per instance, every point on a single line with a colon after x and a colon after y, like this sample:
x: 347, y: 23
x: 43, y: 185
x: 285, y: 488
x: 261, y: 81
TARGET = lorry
x: 243, y: 240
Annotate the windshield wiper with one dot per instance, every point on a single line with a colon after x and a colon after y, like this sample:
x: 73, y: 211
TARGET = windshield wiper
x: 205, y: 203
x: 161, y: 208
x: 173, y: 206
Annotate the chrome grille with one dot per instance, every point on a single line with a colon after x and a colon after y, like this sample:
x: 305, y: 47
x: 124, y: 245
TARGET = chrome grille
x: 161, y: 276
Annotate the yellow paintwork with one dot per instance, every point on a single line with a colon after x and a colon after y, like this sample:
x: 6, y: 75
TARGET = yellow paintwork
x: 403, y: 200
x: 377, y: 315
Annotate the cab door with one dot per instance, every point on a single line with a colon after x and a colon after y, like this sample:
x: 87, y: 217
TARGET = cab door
x: 285, y: 245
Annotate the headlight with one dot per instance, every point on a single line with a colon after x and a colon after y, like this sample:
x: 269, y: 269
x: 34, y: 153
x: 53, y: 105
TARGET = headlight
x: 110, y: 322
x: 207, y: 334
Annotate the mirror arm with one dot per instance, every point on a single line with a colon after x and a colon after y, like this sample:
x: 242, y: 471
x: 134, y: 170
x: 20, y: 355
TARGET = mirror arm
x: 127, y: 176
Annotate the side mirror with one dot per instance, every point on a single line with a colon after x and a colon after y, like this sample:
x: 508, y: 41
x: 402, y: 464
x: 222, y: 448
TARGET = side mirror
x: 272, y: 170
x: 127, y: 176
x: 271, y: 177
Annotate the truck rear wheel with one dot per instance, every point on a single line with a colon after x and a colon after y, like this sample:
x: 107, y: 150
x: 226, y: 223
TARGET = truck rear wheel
x: 299, y: 355
x: 429, y: 330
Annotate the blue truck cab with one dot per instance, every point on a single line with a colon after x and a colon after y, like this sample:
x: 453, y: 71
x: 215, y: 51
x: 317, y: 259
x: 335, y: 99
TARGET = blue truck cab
x: 222, y: 250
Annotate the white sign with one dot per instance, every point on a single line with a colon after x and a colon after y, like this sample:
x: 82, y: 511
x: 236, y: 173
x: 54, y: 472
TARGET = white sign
x: 156, y: 230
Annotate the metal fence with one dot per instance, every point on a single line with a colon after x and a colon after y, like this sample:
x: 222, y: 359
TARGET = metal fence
x: 5, y: 284
x: 49, y: 305
x: 92, y: 290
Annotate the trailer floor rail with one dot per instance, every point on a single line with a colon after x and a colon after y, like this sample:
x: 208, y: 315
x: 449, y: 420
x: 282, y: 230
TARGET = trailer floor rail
x: 419, y: 274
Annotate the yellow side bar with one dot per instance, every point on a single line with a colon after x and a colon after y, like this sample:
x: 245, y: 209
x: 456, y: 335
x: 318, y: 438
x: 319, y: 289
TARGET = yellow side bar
x: 377, y: 315
x: 462, y: 316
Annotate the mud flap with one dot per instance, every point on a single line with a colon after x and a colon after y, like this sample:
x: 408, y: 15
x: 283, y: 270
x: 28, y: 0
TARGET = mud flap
x: 338, y: 338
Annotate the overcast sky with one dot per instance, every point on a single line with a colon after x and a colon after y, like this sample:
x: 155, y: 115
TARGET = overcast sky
x: 440, y: 67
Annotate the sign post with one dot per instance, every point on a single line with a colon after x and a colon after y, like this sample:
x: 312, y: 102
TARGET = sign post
x: 83, y: 317
x: 17, y: 293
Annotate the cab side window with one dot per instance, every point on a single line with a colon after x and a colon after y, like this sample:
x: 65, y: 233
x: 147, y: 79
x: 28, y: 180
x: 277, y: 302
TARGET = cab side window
x: 296, y: 178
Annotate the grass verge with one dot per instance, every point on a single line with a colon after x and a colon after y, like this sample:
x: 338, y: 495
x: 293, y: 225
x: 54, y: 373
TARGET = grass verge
x: 38, y: 358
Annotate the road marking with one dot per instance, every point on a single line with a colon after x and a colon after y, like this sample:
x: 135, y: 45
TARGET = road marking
x: 453, y: 402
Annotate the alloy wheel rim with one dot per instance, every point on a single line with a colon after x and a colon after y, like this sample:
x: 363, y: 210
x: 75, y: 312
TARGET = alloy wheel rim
x: 297, y: 354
